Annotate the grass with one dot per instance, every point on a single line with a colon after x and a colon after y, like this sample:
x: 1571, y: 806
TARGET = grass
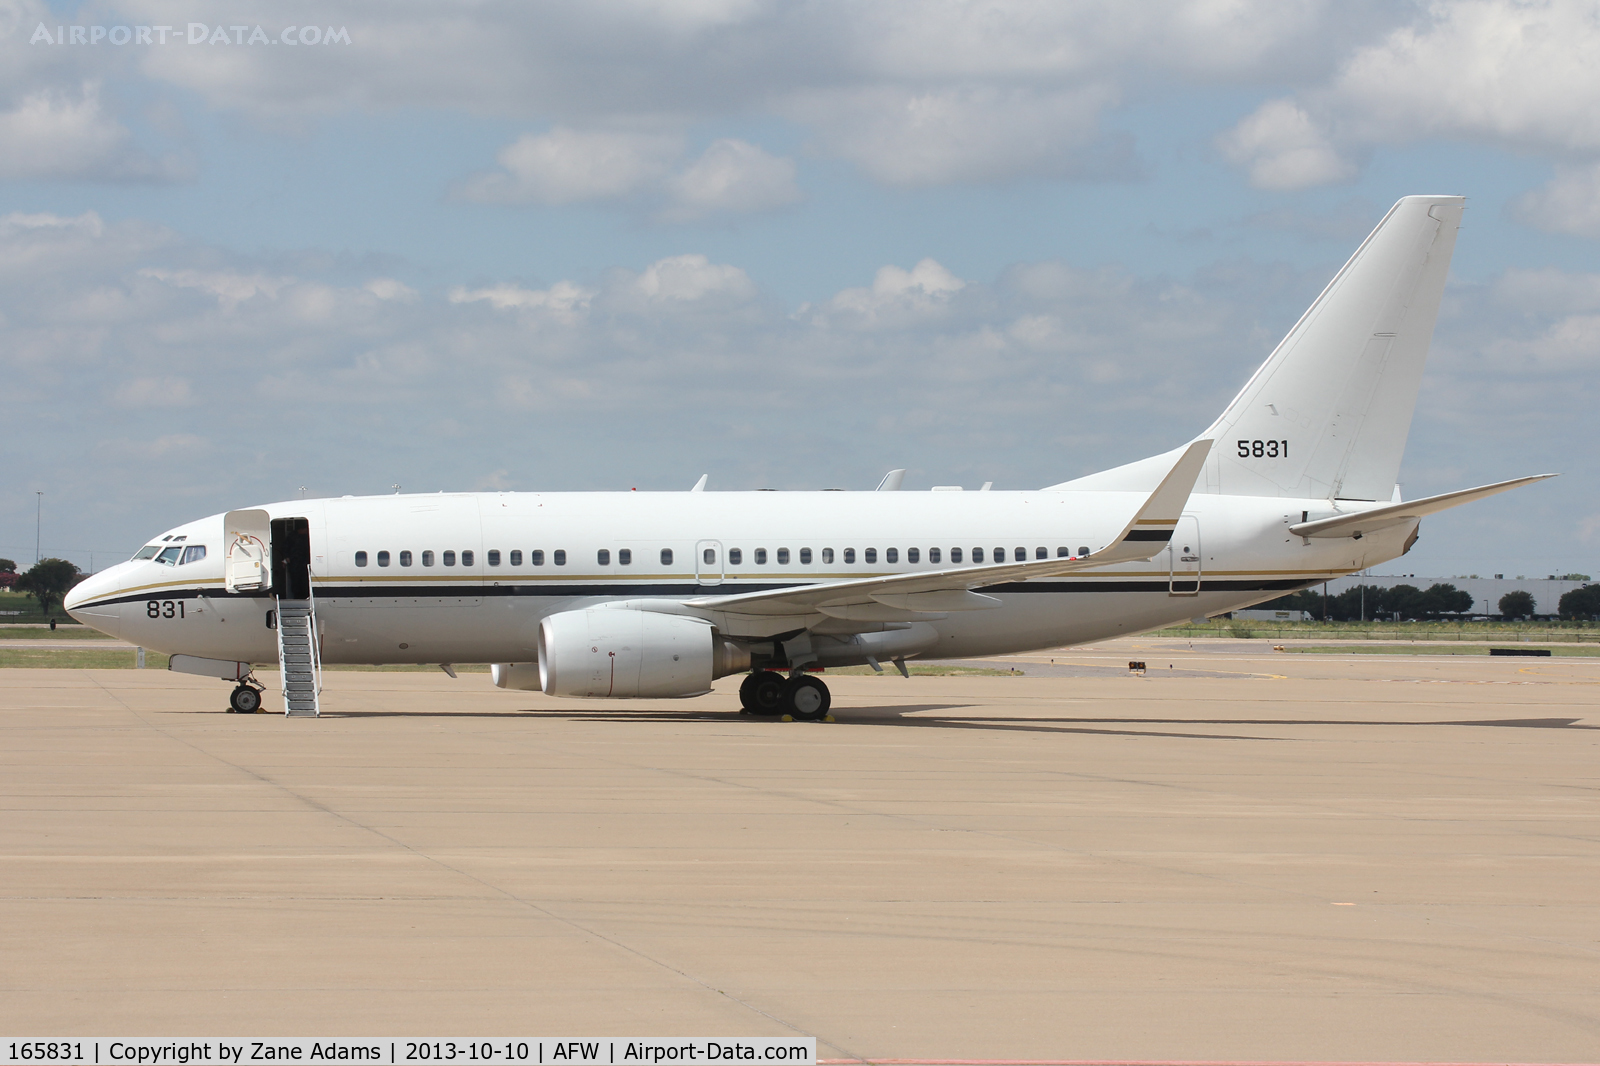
x: 1555, y: 650
x: 78, y: 658
x: 931, y: 670
x: 1243, y: 628
x: 44, y: 632
x: 15, y: 607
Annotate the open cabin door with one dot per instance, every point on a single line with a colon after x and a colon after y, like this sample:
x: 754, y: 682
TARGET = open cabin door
x: 247, y: 558
x: 1183, y: 558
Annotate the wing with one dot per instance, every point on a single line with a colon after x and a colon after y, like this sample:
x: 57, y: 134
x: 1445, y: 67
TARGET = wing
x: 1359, y: 523
x: 936, y: 591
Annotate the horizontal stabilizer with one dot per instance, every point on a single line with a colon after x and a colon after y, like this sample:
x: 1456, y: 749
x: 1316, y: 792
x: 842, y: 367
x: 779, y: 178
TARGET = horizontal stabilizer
x: 1358, y: 524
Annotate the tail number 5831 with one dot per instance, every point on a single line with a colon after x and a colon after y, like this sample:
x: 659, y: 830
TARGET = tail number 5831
x: 1258, y: 449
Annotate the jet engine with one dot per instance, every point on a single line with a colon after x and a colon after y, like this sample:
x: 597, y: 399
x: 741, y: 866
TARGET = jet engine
x: 618, y: 653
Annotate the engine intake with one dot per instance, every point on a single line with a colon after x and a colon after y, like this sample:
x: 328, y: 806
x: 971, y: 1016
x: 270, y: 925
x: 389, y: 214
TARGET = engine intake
x: 623, y: 654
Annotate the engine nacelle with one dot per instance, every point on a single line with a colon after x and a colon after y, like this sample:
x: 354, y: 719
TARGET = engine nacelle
x: 523, y: 676
x: 623, y: 654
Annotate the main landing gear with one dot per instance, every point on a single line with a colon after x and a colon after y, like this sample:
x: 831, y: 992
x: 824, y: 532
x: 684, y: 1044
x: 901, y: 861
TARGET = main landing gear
x: 802, y: 697
x: 246, y: 699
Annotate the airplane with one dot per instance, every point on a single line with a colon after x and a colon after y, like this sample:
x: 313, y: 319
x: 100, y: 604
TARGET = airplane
x: 657, y: 594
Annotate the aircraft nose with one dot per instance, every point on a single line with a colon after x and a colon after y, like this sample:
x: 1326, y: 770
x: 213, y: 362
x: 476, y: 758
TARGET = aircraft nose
x: 89, y: 600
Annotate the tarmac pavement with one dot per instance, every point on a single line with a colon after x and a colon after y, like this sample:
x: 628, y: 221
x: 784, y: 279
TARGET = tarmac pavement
x: 1242, y: 854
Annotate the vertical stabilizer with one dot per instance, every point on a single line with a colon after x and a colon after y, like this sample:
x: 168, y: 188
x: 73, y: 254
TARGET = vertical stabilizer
x: 1328, y: 413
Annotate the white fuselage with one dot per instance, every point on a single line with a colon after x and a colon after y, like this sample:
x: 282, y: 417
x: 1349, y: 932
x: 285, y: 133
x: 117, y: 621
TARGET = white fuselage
x: 393, y: 584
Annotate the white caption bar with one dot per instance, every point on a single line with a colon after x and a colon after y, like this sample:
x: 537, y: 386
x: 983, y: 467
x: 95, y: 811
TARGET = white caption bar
x: 396, y: 1051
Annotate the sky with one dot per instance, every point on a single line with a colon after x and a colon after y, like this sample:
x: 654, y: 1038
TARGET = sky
x: 256, y: 250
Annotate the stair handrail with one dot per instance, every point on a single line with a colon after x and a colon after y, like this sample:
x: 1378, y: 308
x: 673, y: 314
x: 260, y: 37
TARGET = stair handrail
x: 315, y: 640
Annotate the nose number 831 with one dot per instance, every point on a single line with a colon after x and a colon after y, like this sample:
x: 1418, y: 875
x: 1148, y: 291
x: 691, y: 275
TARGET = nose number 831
x: 163, y: 609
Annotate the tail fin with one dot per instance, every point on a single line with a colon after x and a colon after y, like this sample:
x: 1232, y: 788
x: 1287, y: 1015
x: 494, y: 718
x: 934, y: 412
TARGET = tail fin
x: 1328, y: 413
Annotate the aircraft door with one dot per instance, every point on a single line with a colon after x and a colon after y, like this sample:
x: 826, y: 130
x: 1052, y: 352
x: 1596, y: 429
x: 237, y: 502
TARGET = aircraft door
x: 291, y: 558
x: 247, y: 556
x: 708, y: 562
x: 1183, y: 558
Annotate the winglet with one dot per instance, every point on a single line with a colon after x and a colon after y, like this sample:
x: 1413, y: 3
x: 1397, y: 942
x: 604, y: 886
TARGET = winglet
x: 700, y: 486
x: 1152, y: 527
x: 891, y: 481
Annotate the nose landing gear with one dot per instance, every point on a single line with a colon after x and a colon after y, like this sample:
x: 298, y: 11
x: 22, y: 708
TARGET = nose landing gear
x: 246, y: 699
x: 803, y: 698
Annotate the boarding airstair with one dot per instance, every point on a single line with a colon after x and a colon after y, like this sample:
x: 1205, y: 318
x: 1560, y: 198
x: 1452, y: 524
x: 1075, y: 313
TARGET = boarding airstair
x: 299, y: 663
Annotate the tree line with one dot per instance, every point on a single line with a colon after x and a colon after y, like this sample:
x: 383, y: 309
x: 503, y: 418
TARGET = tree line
x: 1438, y: 601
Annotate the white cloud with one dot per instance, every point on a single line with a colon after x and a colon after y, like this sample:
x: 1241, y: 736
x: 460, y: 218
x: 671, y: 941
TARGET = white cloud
x: 925, y: 288
x: 145, y: 392
x: 914, y: 93
x: 1284, y: 148
x: 732, y: 176
x: 683, y: 278
x: 567, y: 166
x: 968, y: 133
x: 390, y: 289
x: 562, y: 298
x: 1569, y: 203
x: 50, y: 134
x: 230, y: 287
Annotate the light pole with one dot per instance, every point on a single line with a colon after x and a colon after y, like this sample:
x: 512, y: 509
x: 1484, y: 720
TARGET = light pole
x: 38, y: 525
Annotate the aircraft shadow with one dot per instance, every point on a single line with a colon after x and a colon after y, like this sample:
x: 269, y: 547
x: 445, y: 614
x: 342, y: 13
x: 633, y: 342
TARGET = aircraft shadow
x: 918, y: 716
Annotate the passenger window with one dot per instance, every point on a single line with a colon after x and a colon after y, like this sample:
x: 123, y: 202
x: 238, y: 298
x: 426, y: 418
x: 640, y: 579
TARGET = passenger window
x: 194, y: 553
x: 1021, y: 556
x: 999, y: 555
x: 1082, y: 551
x: 977, y: 555
x: 912, y: 555
x: 1041, y: 553
x: 891, y: 555
x: 735, y: 556
x: 361, y: 558
x: 761, y: 557
x: 805, y: 556
x: 466, y: 558
x: 1063, y: 553
x: 492, y: 557
x: 449, y: 558
x: 405, y: 558
x: 933, y: 555
x: 427, y: 558
x: 603, y: 556
x: 536, y: 557
x: 624, y: 556
x: 148, y: 551
x: 783, y: 556
x: 666, y: 556
x: 849, y: 555
x: 559, y: 557
x: 709, y: 556
x: 955, y: 555
x: 870, y: 555
x: 827, y: 555
x: 383, y: 558
x: 516, y: 558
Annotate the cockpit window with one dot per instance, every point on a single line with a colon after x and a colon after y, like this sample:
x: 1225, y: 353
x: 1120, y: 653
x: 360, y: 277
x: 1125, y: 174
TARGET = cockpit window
x: 148, y: 551
x: 194, y: 553
x: 169, y: 556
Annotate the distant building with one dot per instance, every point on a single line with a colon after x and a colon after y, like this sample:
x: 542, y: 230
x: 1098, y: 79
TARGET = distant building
x: 1257, y: 615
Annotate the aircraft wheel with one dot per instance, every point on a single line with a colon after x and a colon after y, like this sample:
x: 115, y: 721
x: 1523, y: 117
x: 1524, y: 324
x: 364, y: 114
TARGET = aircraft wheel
x: 807, y: 698
x: 762, y: 693
x: 245, y: 700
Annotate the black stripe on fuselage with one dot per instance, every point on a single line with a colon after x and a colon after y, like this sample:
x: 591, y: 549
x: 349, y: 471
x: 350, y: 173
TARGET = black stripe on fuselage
x: 675, y: 591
